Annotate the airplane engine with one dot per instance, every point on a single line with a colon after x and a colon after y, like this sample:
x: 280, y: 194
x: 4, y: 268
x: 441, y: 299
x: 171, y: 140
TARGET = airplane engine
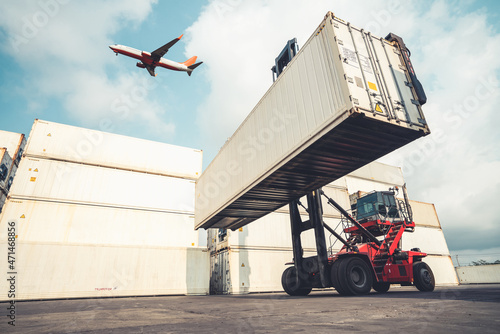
x: 141, y: 65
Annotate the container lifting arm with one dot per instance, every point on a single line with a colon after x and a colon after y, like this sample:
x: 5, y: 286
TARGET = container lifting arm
x: 352, y: 220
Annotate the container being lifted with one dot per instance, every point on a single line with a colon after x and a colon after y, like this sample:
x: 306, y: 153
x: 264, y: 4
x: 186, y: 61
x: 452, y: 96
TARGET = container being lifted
x: 346, y: 99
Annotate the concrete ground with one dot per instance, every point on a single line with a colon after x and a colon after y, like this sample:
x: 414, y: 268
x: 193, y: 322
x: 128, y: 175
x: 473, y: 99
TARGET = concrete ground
x: 458, y: 309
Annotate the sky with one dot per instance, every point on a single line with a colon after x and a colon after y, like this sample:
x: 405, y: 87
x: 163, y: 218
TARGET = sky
x: 56, y: 66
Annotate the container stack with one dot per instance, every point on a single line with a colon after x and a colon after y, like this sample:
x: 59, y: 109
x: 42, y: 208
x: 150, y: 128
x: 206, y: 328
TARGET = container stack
x: 99, y: 214
x: 252, y: 258
x: 11, y: 149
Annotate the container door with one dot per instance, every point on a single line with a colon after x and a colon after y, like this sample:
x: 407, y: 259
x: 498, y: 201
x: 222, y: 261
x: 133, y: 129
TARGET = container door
x: 220, y: 282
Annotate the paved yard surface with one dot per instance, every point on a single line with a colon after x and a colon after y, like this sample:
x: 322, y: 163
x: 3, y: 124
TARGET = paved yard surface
x: 463, y: 309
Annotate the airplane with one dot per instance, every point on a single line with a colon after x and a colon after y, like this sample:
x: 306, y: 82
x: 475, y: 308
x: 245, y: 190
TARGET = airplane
x: 150, y: 60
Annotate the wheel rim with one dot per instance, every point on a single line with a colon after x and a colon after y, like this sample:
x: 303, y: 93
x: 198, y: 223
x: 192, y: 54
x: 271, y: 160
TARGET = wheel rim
x: 358, y: 277
x: 426, y: 276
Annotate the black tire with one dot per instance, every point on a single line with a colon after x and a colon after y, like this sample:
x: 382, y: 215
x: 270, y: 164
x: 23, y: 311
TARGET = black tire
x: 355, y: 276
x: 334, y: 277
x: 423, y: 277
x: 290, y: 285
x: 381, y: 287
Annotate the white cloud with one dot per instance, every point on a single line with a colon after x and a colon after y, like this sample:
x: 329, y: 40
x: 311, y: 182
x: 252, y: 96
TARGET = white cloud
x: 454, y: 54
x: 62, y: 46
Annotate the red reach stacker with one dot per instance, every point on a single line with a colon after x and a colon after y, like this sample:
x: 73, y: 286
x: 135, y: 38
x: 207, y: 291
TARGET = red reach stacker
x: 371, y: 256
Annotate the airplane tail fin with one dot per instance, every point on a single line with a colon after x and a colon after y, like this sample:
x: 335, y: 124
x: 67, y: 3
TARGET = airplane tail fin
x: 192, y: 67
x: 190, y: 61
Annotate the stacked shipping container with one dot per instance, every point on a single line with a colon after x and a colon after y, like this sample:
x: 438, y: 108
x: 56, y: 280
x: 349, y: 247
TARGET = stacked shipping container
x: 253, y: 258
x: 99, y: 214
x: 11, y: 149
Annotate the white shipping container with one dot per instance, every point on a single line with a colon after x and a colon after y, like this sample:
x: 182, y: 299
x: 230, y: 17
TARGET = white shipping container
x: 69, y: 143
x: 342, y: 102
x: 479, y: 274
x: 355, y: 184
x: 78, y: 183
x: 339, y: 195
x: 424, y: 214
x: 256, y: 270
x: 269, y: 232
x: 443, y: 269
x: 430, y: 240
x: 5, y: 167
x: 380, y: 173
x: 15, y: 144
x: 73, y: 224
x: 47, y: 270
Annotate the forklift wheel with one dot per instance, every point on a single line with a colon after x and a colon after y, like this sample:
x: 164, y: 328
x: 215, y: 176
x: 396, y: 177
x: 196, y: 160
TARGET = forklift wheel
x: 423, y: 277
x: 334, y: 277
x: 381, y: 287
x: 355, y: 276
x: 290, y: 285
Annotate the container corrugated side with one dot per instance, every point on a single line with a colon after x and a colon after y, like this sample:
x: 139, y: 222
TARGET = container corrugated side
x: 14, y: 142
x: 5, y: 168
x: 77, y: 183
x: 72, y: 224
x: 69, y: 143
x: 315, y: 124
x: 53, y: 271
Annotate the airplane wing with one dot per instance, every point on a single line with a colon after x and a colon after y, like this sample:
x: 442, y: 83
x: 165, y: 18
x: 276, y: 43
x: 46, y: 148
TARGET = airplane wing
x: 160, y: 52
x: 151, y: 69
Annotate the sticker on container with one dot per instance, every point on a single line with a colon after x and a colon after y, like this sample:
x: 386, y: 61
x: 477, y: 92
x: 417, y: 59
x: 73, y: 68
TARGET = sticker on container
x: 372, y: 86
x: 359, y: 82
x: 350, y: 57
x: 365, y: 64
x: 378, y: 109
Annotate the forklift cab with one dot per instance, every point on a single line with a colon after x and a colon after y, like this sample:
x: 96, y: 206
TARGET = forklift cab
x: 376, y: 205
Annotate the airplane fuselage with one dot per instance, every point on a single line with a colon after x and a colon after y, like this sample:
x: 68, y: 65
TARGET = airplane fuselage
x: 147, y: 59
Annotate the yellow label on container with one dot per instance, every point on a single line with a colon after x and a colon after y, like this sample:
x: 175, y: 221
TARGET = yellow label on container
x: 33, y: 179
x: 377, y: 108
x: 372, y: 86
x: 23, y: 216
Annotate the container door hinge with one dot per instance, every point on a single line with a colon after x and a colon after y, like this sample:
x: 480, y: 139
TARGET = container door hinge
x: 409, y: 84
x: 422, y: 121
x: 415, y: 102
